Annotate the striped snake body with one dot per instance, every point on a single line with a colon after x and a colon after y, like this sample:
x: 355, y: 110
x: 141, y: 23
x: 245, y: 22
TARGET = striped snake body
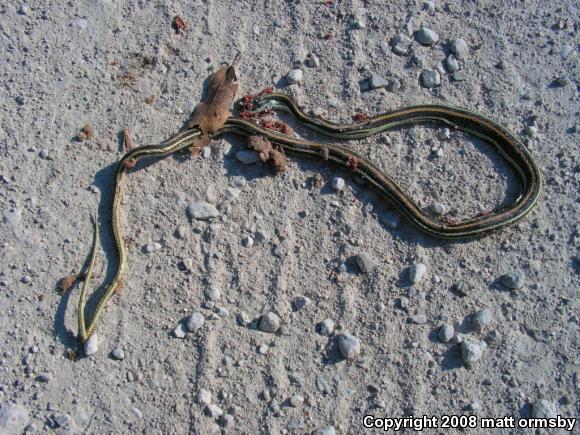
x: 509, y: 146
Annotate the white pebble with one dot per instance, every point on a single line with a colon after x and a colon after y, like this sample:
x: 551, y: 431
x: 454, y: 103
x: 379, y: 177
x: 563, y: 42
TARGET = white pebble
x: 326, y: 327
x: 471, y: 351
x: 179, y: 332
x: 296, y: 401
x: 294, y: 76
x: 416, y: 272
x: 203, y: 397
x: 446, y: 332
x: 152, y: 247
x: 195, y: 322
x: 214, y: 411
x: 202, y: 211
x: 92, y: 344
x: 348, y: 345
x: 338, y: 184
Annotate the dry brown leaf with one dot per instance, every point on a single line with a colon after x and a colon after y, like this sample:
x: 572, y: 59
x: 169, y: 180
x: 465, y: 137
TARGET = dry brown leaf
x: 213, y: 111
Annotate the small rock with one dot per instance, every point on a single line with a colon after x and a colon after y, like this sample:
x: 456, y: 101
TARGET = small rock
x: 437, y: 208
x: 296, y: 401
x: 430, y: 78
x: 248, y: 157
x: 21, y: 100
x: 366, y: 263
x: 202, y: 211
x: 461, y: 288
x: 444, y: 134
x: 181, y: 232
x: 377, y: 82
x: 263, y: 349
x: 426, y: 36
x: 223, y: 312
x: 214, y: 411
x: 459, y: 76
x: 338, y: 184
x: 418, y: 319
x: 532, y: 130
x: 270, y: 322
x: 513, y: 280
x: 44, y: 377
x: 326, y: 327
x: 26, y: 279
x: 325, y: 430
x: 348, y: 345
x: 179, y: 331
x: 452, y: 64
x: 393, y: 84
x: 195, y: 322
x: 471, y: 351
x: 62, y: 420
x: 403, y: 302
x: 203, y: 397
x: 23, y: 9
x: 118, y: 354
x: 563, y: 81
x: 400, y: 44
x: 213, y: 293
x: 262, y: 236
x: 458, y: 47
x: 294, y: 76
x: 322, y: 385
x: 300, y: 302
x: 543, y: 408
x: 13, y: 418
x: 416, y: 272
x: 92, y: 344
x: 188, y: 264
x: 248, y: 241
x: 227, y: 420
x: 43, y: 154
x: 152, y: 247
x: 312, y: 60
x: 446, y: 332
x: 482, y: 318
x: 206, y: 152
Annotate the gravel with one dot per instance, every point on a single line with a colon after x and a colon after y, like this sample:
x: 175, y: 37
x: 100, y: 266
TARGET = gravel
x: 430, y: 78
x: 366, y: 262
x: 482, y: 318
x: 338, y: 184
x: 426, y: 36
x: 195, y: 322
x: 543, y: 408
x: 91, y: 346
x: 294, y: 76
x: 376, y: 82
x: 458, y: 47
x: 513, y: 280
x: 349, y: 346
x: 327, y: 327
x: 118, y: 354
x: 437, y: 208
x: 296, y: 401
x: 446, y: 332
x: 416, y: 272
x: 270, y: 322
x: 202, y: 211
x: 471, y: 351
x: 203, y: 397
x: 62, y: 420
x: 418, y: 319
x: 451, y: 63
x: 400, y: 44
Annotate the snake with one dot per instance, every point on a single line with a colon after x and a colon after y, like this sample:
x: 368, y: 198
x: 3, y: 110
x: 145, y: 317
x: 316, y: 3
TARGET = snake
x: 507, y: 144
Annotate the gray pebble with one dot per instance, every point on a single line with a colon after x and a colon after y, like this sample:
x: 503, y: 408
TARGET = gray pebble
x: 482, y: 318
x: 403, y: 302
x: 426, y: 36
x: 444, y: 134
x: 262, y: 236
x: 322, y: 385
x: 213, y: 293
x: 338, y: 184
x: 296, y: 401
x: 416, y: 272
x: 326, y: 327
x: 26, y: 279
x: 325, y: 430
x: 377, y: 82
x: 270, y: 322
x: 202, y: 211
x: 348, y: 345
x: 312, y: 60
x: 437, y: 208
x: 248, y: 157
x: 452, y: 64
x: 152, y: 247
x: 446, y: 332
x: 227, y: 420
x: 294, y: 76
x: 458, y: 47
x: 459, y: 76
x: 248, y: 241
x: 206, y: 152
x: 543, y: 408
x: 62, y: 420
x: 563, y: 81
x: 263, y: 349
x: 418, y: 319
x: 300, y: 302
x: 366, y: 263
x: 430, y: 78
x: 92, y: 344
x: 20, y: 100
x: 118, y: 354
x: 513, y: 280
x: 214, y: 411
x: 23, y: 9
x: 195, y: 322
x: 461, y: 288
x: 44, y: 377
x: 203, y: 397
x: 400, y: 44
x: 394, y: 84
x: 471, y: 351
x: 43, y: 154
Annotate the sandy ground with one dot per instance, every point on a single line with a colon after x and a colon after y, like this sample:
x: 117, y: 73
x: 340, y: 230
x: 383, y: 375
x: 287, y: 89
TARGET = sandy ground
x: 120, y: 64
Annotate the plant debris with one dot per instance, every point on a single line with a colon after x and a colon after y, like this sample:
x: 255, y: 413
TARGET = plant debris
x: 267, y: 153
x: 66, y: 283
x: 213, y: 111
x: 179, y: 25
x: 86, y: 133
